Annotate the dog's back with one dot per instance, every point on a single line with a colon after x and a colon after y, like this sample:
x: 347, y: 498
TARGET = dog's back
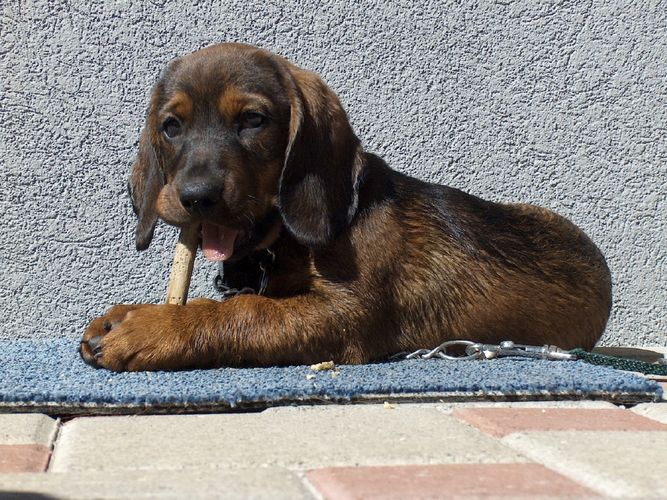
x: 469, y: 268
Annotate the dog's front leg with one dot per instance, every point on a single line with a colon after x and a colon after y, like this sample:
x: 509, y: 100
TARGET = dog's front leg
x: 246, y: 330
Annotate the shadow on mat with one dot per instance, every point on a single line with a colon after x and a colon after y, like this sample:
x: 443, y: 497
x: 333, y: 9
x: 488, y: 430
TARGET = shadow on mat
x: 24, y: 495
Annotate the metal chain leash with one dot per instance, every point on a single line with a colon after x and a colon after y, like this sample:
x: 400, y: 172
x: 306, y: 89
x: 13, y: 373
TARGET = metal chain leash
x: 478, y: 351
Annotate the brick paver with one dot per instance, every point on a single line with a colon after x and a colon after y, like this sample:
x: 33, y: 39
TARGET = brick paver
x: 23, y: 458
x: 502, y: 421
x: 444, y: 481
x: 650, y: 410
x: 618, y: 464
x: 25, y: 442
x: 204, y: 483
x: 27, y: 428
x: 293, y: 437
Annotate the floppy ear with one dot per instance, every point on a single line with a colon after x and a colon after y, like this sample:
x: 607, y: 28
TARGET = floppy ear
x: 147, y: 178
x: 318, y: 190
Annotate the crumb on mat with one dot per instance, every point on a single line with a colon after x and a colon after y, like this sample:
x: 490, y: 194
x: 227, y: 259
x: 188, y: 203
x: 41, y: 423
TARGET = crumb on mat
x: 325, y: 365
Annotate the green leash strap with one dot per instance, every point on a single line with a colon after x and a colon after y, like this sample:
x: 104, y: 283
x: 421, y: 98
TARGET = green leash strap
x: 620, y: 363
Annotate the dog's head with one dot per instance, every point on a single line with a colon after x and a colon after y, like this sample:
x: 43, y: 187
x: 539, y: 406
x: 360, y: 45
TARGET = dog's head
x: 241, y: 141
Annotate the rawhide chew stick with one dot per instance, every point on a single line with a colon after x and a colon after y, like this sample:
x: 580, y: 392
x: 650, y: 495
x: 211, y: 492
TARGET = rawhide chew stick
x: 181, y: 269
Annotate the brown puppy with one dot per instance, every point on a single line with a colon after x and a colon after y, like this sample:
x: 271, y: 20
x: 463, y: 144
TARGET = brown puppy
x: 365, y: 261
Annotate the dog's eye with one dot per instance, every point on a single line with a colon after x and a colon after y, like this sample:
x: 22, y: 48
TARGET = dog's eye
x: 250, y: 120
x: 171, y: 127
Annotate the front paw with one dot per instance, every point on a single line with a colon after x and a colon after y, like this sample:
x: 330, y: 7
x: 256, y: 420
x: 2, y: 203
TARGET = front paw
x: 90, y: 347
x: 136, y: 337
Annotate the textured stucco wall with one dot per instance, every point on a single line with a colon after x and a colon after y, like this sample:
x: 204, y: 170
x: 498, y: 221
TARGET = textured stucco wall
x: 559, y: 103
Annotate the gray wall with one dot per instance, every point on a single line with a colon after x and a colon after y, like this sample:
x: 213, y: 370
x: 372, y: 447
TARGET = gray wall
x: 557, y: 103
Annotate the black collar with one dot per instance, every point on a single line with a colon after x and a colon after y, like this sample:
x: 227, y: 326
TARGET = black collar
x: 249, y: 275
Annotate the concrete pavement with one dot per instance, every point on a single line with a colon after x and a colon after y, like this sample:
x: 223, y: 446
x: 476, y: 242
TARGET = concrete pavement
x: 577, y: 449
x: 547, y: 450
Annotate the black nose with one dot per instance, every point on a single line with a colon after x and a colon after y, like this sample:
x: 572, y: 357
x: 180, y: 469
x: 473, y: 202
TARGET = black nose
x: 199, y: 197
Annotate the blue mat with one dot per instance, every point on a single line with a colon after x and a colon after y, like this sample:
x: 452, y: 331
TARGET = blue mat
x: 48, y: 376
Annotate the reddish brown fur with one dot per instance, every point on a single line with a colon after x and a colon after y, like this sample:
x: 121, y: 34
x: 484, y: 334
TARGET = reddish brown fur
x: 369, y: 262
x: 181, y: 105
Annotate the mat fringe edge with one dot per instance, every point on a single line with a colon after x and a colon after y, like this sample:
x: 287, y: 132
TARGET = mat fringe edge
x: 81, y: 408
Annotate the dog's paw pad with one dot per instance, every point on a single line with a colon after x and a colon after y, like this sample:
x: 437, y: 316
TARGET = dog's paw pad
x: 95, y: 343
x: 90, y: 350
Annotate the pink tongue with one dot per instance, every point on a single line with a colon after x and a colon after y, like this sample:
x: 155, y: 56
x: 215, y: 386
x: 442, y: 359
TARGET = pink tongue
x: 217, y: 241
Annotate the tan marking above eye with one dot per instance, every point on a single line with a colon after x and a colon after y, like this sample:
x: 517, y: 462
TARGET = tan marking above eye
x: 179, y: 105
x: 232, y: 102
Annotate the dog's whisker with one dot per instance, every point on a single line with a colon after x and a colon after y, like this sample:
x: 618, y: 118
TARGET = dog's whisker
x: 250, y: 218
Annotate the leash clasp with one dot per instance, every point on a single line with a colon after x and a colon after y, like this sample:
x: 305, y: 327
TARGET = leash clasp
x: 510, y: 349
